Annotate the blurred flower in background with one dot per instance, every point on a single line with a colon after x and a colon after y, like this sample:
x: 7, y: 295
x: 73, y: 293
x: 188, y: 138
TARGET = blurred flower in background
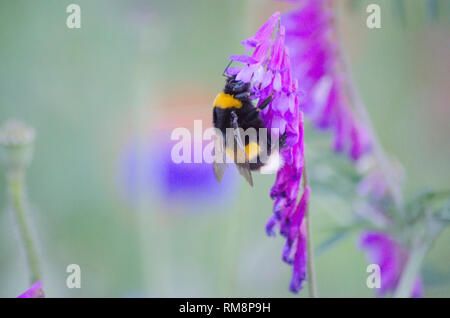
x: 372, y: 185
x: 148, y: 171
x: 16, y: 146
x: 312, y: 39
x: 35, y: 291
x: 382, y: 249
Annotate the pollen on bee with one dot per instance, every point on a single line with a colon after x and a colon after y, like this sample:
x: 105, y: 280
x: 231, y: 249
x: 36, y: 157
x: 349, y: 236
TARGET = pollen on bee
x: 237, y: 157
x: 251, y: 150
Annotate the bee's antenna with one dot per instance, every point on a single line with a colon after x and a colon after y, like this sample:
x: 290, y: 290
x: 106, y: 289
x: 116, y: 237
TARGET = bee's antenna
x: 224, y: 71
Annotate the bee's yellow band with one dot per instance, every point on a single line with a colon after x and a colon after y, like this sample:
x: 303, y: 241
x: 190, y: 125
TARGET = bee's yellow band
x: 238, y: 157
x: 251, y: 150
x: 227, y: 101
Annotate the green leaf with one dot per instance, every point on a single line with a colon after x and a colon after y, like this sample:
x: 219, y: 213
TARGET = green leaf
x: 334, y: 239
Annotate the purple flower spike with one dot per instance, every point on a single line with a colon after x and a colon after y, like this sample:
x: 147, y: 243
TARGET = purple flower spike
x: 315, y: 56
x: 242, y: 59
x: 264, y: 33
x: 35, y: 291
x: 268, y: 70
x: 299, y: 265
x: 383, y: 250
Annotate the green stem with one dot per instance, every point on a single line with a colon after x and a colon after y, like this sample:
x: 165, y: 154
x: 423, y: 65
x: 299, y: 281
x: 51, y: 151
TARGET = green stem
x: 386, y: 168
x: 16, y: 188
x: 385, y: 165
x: 415, y: 260
x: 309, y: 246
x: 411, y: 271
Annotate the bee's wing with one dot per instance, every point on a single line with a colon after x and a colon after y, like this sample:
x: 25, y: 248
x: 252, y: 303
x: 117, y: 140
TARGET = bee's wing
x: 245, y: 172
x: 242, y: 164
x: 219, y: 163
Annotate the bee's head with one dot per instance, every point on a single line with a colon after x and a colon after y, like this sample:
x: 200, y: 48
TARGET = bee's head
x: 234, y: 87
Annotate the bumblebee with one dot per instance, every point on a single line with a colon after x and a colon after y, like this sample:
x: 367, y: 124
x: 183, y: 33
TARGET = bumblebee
x: 234, y: 115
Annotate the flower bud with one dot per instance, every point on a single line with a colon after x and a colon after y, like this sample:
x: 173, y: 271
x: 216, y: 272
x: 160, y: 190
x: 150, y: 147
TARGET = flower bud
x: 16, y: 146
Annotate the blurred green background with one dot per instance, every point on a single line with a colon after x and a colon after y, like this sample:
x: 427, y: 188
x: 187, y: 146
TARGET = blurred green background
x: 138, y: 67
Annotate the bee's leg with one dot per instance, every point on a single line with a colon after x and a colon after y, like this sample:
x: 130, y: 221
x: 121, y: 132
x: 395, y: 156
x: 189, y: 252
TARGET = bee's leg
x: 242, y: 95
x: 234, y: 120
x: 265, y: 102
x: 251, y: 115
x: 237, y: 132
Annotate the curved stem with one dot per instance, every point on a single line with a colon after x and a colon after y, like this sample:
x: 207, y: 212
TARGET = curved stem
x: 379, y: 153
x: 411, y: 271
x: 309, y: 246
x: 416, y: 257
x: 16, y: 188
